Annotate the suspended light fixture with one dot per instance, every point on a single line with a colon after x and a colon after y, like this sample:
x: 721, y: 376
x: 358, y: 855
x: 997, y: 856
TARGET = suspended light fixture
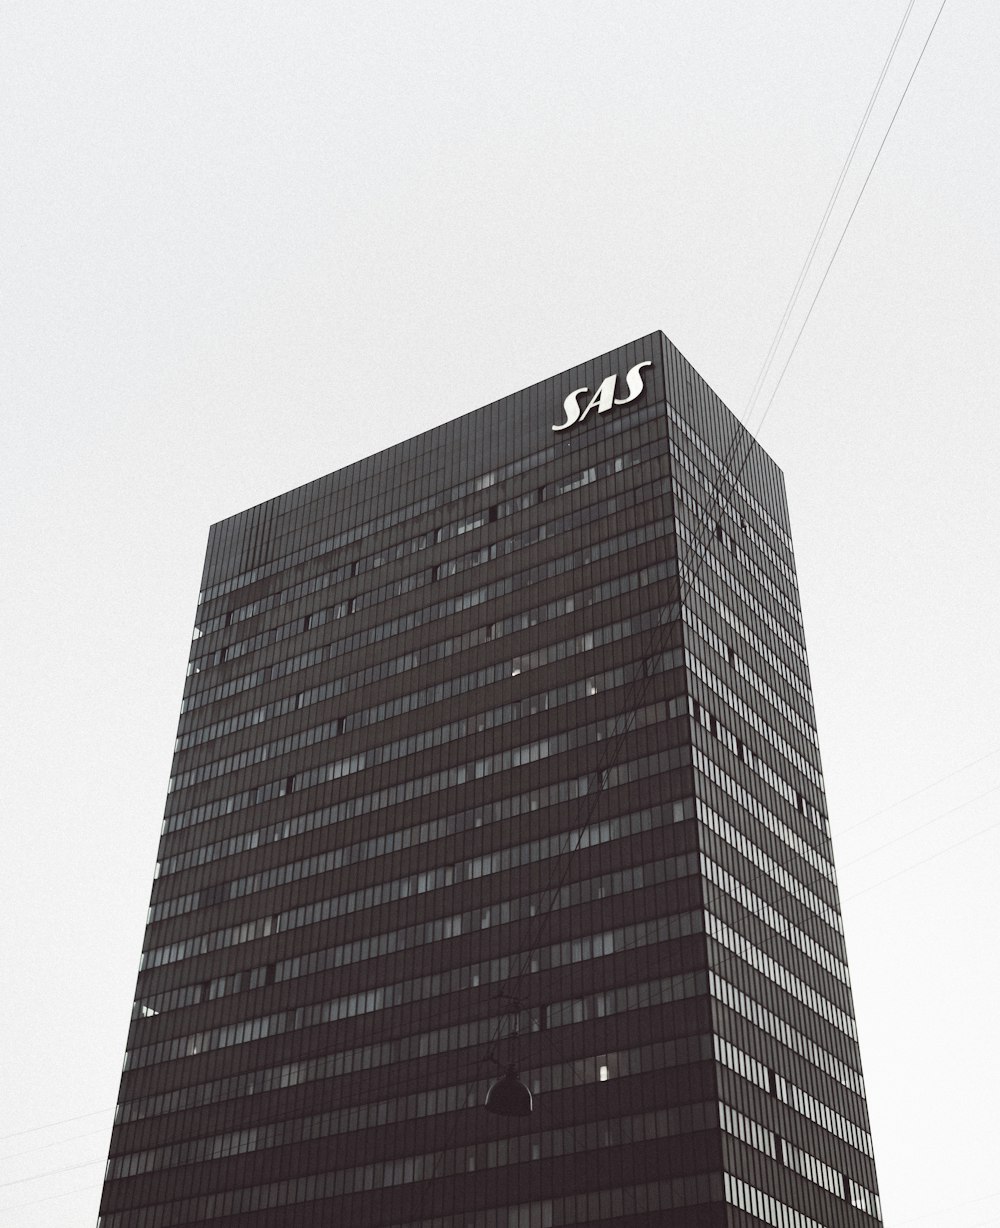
x: 509, y: 1097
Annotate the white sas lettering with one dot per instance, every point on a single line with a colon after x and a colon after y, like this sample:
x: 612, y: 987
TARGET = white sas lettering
x: 604, y: 398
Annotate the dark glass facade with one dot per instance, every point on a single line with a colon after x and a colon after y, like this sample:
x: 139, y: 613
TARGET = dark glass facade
x: 498, y: 748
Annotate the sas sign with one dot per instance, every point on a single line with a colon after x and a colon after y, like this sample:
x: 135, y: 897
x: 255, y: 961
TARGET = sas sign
x: 604, y: 398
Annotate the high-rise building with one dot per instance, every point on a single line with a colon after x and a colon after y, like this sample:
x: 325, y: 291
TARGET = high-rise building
x: 497, y: 766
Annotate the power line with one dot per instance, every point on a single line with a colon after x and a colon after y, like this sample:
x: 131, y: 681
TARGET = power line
x: 72, y: 1138
x: 917, y: 864
x: 54, y: 1172
x: 83, y: 1189
x: 821, y: 230
x: 920, y: 827
x: 842, y: 831
x: 62, y: 1121
x: 850, y: 218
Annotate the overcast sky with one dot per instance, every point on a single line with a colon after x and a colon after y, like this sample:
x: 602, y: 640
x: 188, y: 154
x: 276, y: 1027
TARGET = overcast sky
x: 243, y: 244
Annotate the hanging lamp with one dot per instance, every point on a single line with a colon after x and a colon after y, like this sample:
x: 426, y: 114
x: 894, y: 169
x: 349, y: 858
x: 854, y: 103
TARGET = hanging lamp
x: 508, y: 1096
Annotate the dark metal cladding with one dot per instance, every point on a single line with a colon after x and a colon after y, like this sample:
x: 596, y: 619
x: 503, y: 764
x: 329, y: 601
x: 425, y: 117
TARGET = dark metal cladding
x: 505, y: 731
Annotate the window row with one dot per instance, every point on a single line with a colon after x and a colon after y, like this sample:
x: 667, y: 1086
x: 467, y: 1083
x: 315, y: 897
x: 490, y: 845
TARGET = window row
x: 708, y: 522
x: 585, y: 641
x: 770, y: 1211
x: 574, y: 561
x: 766, y: 728
x: 649, y: 493
x: 569, y: 789
x: 488, y: 632
x: 418, y: 989
x: 599, y: 1068
x: 776, y: 870
x: 730, y: 483
x: 698, y: 536
x: 702, y: 718
x: 767, y: 1021
x: 782, y: 926
x: 775, y: 971
x: 473, y: 769
x: 597, y: 1207
x: 661, y: 1055
x: 720, y: 500
x: 767, y: 731
x: 478, y: 1157
x: 714, y: 602
x: 390, y: 941
x: 594, y: 946
x: 719, y: 777
x: 407, y: 513
x: 780, y: 1149
x: 803, y: 724
x: 334, y: 858
x: 692, y: 565
x: 791, y: 1094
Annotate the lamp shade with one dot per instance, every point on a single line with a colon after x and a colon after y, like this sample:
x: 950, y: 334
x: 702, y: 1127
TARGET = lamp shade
x: 508, y: 1097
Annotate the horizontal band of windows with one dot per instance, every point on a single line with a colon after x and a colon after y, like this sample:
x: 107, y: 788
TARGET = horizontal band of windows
x: 423, y: 541
x: 714, y: 601
x: 418, y: 786
x: 594, y: 946
x: 407, y: 513
x: 789, y: 1093
x: 776, y: 870
x: 709, y: 522
x: 780, y: 1150
x: 776, y: 972
x: 475, y: 920
x: 263, y: 927
x: 599, y: 1206
x: 751, y: 1132
x: 767, y: 1021
x: 462, y: 601
x: 487, y: 633
x: 704, y: 720
x: 403, y: 515
x: 503, y: 808
x: 602, y: 1206
x: 695, y: 525
x: 495, y: 812
x: 583, y: 1137
x: 804, y: 724
x: 777, y: 921
x: 766, y: 1208
x: 691, y: 566
x: 421, y: 1046
x: 764, y: 725
x: 385, y: 997
x: 438, y: 736
x: 294, y: 871
x: 719, y: 777
x: 730, y: 483
x: 602, y: 513
x: 598, y: 1068
x: 659, y: 1056
x: 766, y: 729
x: 721, y: 502
x: 476, y: 1157
x: 391, y: 941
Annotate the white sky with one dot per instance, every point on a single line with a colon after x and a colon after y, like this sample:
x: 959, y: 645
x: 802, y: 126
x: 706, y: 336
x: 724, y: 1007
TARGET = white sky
x: 243, y: 244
